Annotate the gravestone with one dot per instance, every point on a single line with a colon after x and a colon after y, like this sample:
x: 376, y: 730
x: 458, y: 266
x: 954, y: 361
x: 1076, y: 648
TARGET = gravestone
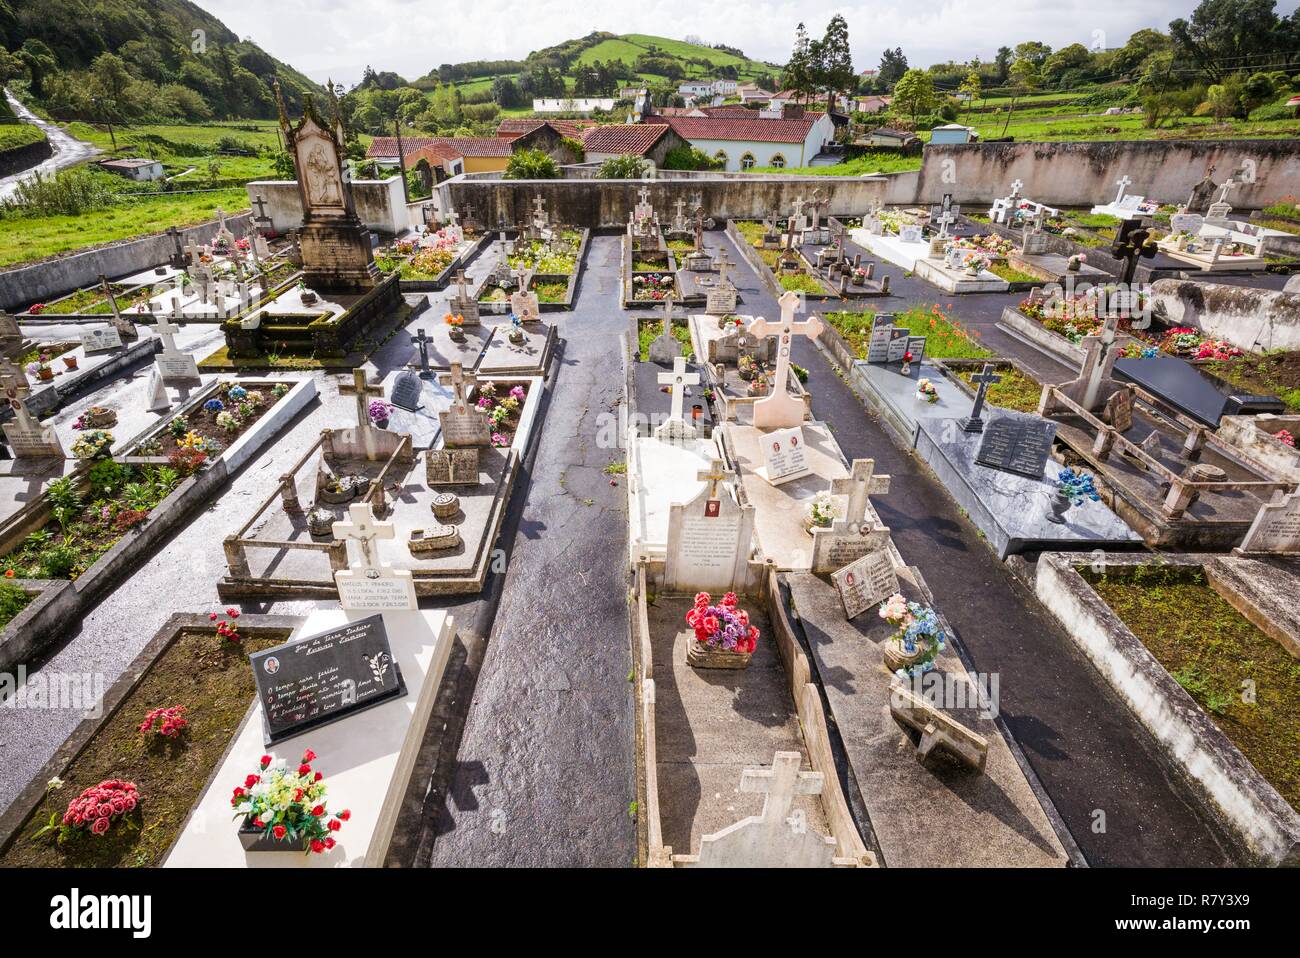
x: 11, y: 336
x: 866, y: 581
x: 463, y: 304
x: 523, y: 301
x: 157, y: 393
x: 324, y: 678
x: 371, y: 584
x: 780, y: 410
x: 784, y: 456
x: 664, y: 348
x: 710, y: 538
x: 1118, y: 410
x: 463, y: 424
x: 173, y: 365
x: 1276, y: 528
x: 407, y: 390
x: 451, y: 467
x: 1017, y: 444
x: 852, y: 535
x: 99, y: 339
x: 773, y: 839
x: 676, y: 428
x: 27, y: 438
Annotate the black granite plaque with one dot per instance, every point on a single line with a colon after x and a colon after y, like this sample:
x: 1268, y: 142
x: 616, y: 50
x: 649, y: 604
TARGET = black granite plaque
x: 323, y: 678
x: 1017, y: 444
x: 406, y: 391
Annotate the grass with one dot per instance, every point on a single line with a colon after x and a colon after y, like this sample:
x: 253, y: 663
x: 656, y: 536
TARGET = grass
x: 1016, y: 390
x: 1276, y: 373
x: 27, y: 238
x: 1011, y: 274
x: 648, y: 332
x: 211, y: 678
x: 12, y: 601
x: 801, y: 283
x: 876, y: 161
x: 1217, y: 655
x: 945, y: 337
x: 14, y: 136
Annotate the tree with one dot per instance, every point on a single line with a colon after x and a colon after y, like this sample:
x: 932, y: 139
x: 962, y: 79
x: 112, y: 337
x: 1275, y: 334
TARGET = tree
x: 1223, y: 36
x: 1073, y: 57
x: 506, y: 92
x: 914, y: 93
x: 798, y: 71
x: 1024, y: 80
x: 1033, y: 51
x: 531, y: 165
x: 1129, y: 58
x: 687, y: 157
x: 970, y: 89
x: 892, y: 66
x: 1002, y: 63
x: 40, y: 63
x: 838, y: 75
x: 625, y: 167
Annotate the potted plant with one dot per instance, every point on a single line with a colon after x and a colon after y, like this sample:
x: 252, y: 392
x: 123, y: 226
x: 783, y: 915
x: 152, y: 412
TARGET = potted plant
x: 96, y: 444
x: 758, y: 385
x: 40, y: 367
x: 96, y: 417
x: 919, y: 639
x: 307, y: 296
x: 1075, y: 261
x: 379, y: 413
x: 1072, y: 489
x: 821, y: 512
x: 723, y: 639
x: 282, y: 809
x: 455, y: 327
x: 749, y: 367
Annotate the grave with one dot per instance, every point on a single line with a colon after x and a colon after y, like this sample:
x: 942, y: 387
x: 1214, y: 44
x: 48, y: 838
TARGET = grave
x: 1205, y: 398
x: 1126, y: 206
x: 953, y: 274
x: 856, y: 531
x: 173, y: 365
x: 710, y: 538
x: 1276, y: 529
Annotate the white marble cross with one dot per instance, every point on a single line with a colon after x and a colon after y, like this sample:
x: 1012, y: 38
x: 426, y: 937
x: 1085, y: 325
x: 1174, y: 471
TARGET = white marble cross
x: 944, y: 219
x: 1016, y: 186
x: 859, y: 485
x: 724, y: 267
x: 1229, y: 184
x: 460, y: 381
x: 362, y: 526
x: 1123, y: 183
x: 539, y: 207
x: 167, y: 333
x: 780, y: 410
x: 452, y: 219
x: 677, y: 381
x: 716, y: 473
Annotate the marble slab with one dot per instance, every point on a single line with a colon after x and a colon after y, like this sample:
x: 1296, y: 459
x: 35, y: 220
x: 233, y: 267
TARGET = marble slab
x: 890, y: 247
x: 958, y: 281
x: 894, y: 395
x: 525, y: 359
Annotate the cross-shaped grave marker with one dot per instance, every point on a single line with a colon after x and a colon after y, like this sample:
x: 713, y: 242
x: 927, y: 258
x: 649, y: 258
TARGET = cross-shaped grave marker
x: 780, y: 410
x: 781, y: 783
x: 362, y: 527
x: 1098, y: 361
x: 945, y: 219
x: 363, y: 391
x: 462, y: 287
x: 1231, y: 183
x: 859, y: 485
x: 460, y: 382
x: 716, y: 473
x: 677, y: 381
x: 1123, y: 183
x: 985, y: 378
x: 421, y: 342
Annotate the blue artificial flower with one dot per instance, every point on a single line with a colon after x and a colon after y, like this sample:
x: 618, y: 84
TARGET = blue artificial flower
x: 214, y: 405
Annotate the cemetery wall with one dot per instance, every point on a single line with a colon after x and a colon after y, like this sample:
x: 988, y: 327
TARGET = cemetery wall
x: 1251, y: 319
x: 607, y: 203
x: 1084, y: 174
x: 24, y: 285
x: 24, y: 157
x: 381, y: 204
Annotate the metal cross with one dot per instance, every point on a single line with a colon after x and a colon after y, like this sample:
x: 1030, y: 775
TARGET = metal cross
x: 421, y: 341
x: 984, y: 379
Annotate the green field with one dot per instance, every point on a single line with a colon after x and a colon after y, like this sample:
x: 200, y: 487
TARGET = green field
x: 13, y: 136
x: 627, y: 47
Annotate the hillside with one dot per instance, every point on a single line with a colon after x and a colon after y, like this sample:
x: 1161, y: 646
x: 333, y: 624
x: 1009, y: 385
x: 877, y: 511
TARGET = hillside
x: 638, y: 57
x: 167, y: 58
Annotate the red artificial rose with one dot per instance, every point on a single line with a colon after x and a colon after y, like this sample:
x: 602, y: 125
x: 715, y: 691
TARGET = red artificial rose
x: 317, y: 777
x: 345, y: 815
x: 330, y: 843
x: 212, y: 617
x: 318, y: 811
x: 100, y: 826
x: 335, y: 825
x: 317, y: 845
x: 251, y: 781
x: 304, y: 768
x: 279, y: 831
x: 266, y: 760
x: 309, y: 756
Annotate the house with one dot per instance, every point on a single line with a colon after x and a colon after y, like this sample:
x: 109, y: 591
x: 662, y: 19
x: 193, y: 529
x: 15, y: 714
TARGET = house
x: 435, y: 162
x: 136, y: 168
x: 573, y: 104
x: 953, y: 133
x: 695, y: 88
x: 652, y: 141
x: 749, y: 93
x: 742, y: 143
x: 887, y: 139
x: 478, y: 154
x: 867, y: 104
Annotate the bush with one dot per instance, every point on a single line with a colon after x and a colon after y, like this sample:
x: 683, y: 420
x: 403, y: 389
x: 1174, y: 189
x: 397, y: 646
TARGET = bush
x: 625, y: 167
x: 107, y: 477
x: 531, y: 165
x: 67, y: 193
x: 689, y: 158
x: 12, y: 601
x: 57, y: 561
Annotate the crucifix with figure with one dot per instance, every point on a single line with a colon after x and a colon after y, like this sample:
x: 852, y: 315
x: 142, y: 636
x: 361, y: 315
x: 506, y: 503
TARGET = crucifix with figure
x: 779, y: 409
x: 983, y: 380
x: 716, y: 473
x: 421, y: 341
x: 362, y: 390
x: 362, y: 527
x: 460, y: 382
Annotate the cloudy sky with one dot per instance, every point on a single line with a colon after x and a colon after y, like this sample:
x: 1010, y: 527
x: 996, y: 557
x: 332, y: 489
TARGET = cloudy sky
x: 338, y: 38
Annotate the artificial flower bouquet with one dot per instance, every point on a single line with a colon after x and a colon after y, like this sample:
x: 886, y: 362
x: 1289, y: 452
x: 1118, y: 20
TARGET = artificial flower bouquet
x: 94, y: 811
x: 821, y: 512
x: 286, y: 806
x: 926, y: 391
x: 724, y: 639
x: 919, y: 639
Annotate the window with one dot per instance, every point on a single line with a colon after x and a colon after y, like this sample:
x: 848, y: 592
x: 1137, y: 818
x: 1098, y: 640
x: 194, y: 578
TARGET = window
x: 721, y: 157
x: 747, y: 161
x: 778, y: 161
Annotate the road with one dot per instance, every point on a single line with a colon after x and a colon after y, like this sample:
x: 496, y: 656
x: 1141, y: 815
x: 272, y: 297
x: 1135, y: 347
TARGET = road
x: 68, y: 150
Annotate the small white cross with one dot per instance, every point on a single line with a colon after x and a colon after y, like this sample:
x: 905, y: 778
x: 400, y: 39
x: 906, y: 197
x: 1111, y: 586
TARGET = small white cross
x: 677, y: 381
x: 459, y: 381
x: 362, y: 526
x: 859, y: 485
x: 1123, y: 182
x: 781, y: 783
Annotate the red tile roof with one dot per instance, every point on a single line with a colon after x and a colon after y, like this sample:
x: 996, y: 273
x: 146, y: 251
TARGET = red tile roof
x: 436, y: 152
x: 634, y: 138
x: 729, y: 109
x: 464, y: 146
x: 739, y: 128
x: 513, y: 129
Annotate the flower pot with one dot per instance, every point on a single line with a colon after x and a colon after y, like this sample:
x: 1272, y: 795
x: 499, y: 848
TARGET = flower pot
x: 1060, y: 505
x: 70, y: 362
x: 261, y: 840
x: 1072, y: 267
x: 896, y: 655
x: 701, y: 656
x: 101, y: 420
x: 46, y: 373
x: 381, y: 423
x: 309, y: 299
x: 456, y: 333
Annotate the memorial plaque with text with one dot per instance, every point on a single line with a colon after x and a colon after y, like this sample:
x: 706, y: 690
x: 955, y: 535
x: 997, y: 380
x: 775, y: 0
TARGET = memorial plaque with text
x: 878, y: 343
x: 897, y: 348
x: 451, y: 467
x: 865, y: 582
x: 406, y: 391
x: 1015, y: 444
x: 324, y: 678
x: 100, y: 340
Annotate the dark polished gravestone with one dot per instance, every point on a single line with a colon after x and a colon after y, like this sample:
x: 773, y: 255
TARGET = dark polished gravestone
x: 1019, y: 445
x: 421, y: 422
x: 407, y: 392
x: 324, y: 678
x: 654, y: 406
x: 1205, y: 398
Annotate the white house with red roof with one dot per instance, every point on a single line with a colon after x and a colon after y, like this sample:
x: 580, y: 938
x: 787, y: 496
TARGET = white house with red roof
x: 743, y: 143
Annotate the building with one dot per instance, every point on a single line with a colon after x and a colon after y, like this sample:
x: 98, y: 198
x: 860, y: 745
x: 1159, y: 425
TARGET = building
x: 136, y: 168
x: 887, y: 139
x: 749, y: 93
x: 870, y: 103
x: 573, y: 104
x: 743, y: 143
x: 477, y: 154
x: 435, y: 163
x: 694, y: 88
x: 953, y: 133
x: 651, y: 141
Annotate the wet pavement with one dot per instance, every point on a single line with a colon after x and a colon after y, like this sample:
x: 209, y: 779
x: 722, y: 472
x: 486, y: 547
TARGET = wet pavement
x: 68, y: 150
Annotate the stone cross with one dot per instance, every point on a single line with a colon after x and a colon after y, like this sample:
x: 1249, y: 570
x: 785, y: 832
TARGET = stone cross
x: 1230, y: 183
x: 452, y: 219
x: 780, y: 410
x: 780, y: 783
x: 1016, y: 186
x: 1123, y: 183
x: 724, y: 267
x: 984, y: 379
x: 944, y: 219
x: 460, y: 382
x: 539, y: 211
x: 859, y: 485
x: 421, y: 341
x: 680, y: 217
x: 717, y: 472
x: 251, y: 235
x: 699, y: 228
x: 643, y: 195
x: 677, y: 381
x: 1097, y: 362
x: 362, y: 390
x: 11, y: 374
x: 167, y: 333
x: 16, y: 391
x: 462, y: 291
x: 362, y: 526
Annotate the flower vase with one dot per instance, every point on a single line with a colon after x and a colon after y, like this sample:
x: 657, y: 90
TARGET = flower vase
x: 1072, y: 266
x: 1060, y: 505
x: 702, y: 656
x: 907, y: 368
x: 901, y: 654
x: 46, y: 373
x: 254, y: 839
x: 457, y: 334
x: 70, y: 362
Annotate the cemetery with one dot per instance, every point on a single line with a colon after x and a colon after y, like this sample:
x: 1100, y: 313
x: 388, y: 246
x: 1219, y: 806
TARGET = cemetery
x: 700, y: 518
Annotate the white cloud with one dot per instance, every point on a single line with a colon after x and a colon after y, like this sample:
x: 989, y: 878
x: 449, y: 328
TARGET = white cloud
x: 338, y: 38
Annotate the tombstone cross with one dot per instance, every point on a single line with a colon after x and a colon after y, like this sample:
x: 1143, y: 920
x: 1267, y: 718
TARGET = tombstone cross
x: 460, y: 381
x: 717, y: 472
x: 859, y: 485
x: 1230, y: 183
x: 1016, y: 186
x: 421, y: 342
x: 985, y: 378
x: 362, y: 526
x: 362, y: 390
x: 462, y: 293
x: 781, y: 783
x: 677, y: 381
x: 167, y: 333
x: 786, y: 329
x: 1123, y: 183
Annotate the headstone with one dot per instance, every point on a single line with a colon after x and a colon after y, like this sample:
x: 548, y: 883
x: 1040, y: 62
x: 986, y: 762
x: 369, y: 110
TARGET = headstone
x: 1186, y: 223
x: 11, y: 336
x: 462, y: 423
x: 523, y: 301
x: 780, y: 410
x: 371, y: 584
x: 1276, y: 528
x: 851, y: 535
x: 678, y: 380
x: 1119, y: 410
x: 463, y: 304
x: 26, y: 437
x: 1019, y: 444
x: 407, y: 391
x: 865, y: 582
x: 174, y: 365
x: 664, y: 348
x: 157, y: 392
x: 324, y: 678
x: 99, y: 339
x: 784, y: 456
x: 910, y: 233
x: 710, y: 538
x: 451, y: 466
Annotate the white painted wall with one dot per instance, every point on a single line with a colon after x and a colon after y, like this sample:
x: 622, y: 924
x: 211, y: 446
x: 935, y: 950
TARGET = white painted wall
x: 381, y: 204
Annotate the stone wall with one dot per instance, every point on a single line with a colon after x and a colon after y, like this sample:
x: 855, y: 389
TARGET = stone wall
x: 1084, y: 174
x: 1251, y: 319
x: 24, y: 157
x: 381, y: 205
x: 607, y: 203
x: 24, y: 285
